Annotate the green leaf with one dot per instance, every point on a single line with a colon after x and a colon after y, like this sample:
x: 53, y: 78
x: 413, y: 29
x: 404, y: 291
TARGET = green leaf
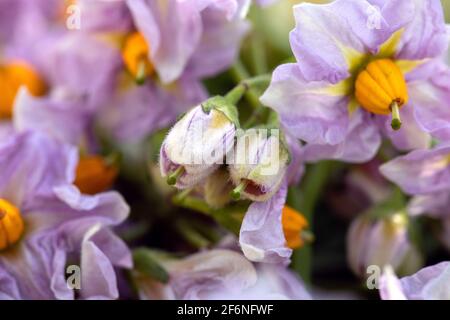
x: 146, y: 263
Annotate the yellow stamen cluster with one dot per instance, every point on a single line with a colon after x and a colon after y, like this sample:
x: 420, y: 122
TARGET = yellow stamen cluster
x: 94, y: 174
x: 12, y: 77
x: 11, y: 224
x: 381, y: 89
x: 294, y: 224
x: 135, y: 56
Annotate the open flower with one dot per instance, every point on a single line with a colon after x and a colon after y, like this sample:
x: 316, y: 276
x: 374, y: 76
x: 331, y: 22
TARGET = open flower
x: 222, y: 274
x: 430, y: 283
x: 48, y: 225
x: 364, y: 71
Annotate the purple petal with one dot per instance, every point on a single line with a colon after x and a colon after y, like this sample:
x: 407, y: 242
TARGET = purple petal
x: 63, y: 120
x: 431, y: 283
x: 421, y: 171
x: 32, y: 165
x: 261, y: 236
x: 429, y: 98
x: 305, y: 108
x: 426, y: 35
x: 360, y: 145
x: 326, y: 34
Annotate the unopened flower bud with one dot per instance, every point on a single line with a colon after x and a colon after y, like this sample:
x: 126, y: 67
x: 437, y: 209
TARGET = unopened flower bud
x: 381, y: 242
x: 259, y: 165
x: 198, y: 143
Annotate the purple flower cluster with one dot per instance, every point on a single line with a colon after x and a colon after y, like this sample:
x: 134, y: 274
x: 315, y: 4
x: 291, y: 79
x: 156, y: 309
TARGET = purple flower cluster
x: 146, y: 145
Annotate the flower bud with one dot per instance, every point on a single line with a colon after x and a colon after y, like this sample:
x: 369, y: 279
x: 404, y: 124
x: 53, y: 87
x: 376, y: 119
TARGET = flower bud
x: 259, y: 166
x: 197, y: 144
x: 381, y: 242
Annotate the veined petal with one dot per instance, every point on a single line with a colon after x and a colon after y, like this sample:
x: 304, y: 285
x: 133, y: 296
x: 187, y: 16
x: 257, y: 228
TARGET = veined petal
x: 361, y: 142
x: 63, y: 120
x: 430, y: 99
x: 315, y: 112
x: 431, y: 283
x: 421, y: 171
x: 332, y: 40
x: 426, y: 35
x: 435, y: 204
x: 261, y: 236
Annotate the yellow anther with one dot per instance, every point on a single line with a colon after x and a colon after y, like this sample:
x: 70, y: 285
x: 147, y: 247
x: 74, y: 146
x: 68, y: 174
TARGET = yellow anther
x: 294, y: 225
x: 11, y: 224
x: 12, y: 77
x: 135, y: 55
x: 381, y: 89
x: 95, y: 174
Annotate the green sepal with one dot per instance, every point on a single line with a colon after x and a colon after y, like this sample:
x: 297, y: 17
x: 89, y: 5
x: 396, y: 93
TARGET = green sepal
x: 221, y: 104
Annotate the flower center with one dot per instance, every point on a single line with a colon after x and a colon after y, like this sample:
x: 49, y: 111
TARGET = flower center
x: 95, y: 174
x: 381, y: 89
x: 135, y: 56
x: 294, y: 225
x: 12, y: 77
x: 11, y: 224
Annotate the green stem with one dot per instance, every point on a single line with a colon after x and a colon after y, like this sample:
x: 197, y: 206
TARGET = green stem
x: 193, y: 203
x: 240, y: 74
x: 246, y: 86
x: 191, y: 235
x: 259, y: 57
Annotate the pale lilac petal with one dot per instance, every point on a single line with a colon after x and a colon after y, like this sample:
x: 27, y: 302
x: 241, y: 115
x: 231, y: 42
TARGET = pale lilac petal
x: 101, y: 15
x: 435, y: 204
x: 306, y: 109
x: 390, y: 286
x: 429, y: 97
x: 27, y: 174
x: 215, y: 274
x: 85, y: 72
x: 430, y: 283
x: 8, y: 286
x: 325, y: 35
x: 219, y: 45
x: 98, y: 276
x: 149, y: 108
x: 61, y: 119
x: 261, y: 236
x: 173, y: 30
x: 360, y: 145
x: 426, y: 35
x: 421, y: 171
x: 296, y: 167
